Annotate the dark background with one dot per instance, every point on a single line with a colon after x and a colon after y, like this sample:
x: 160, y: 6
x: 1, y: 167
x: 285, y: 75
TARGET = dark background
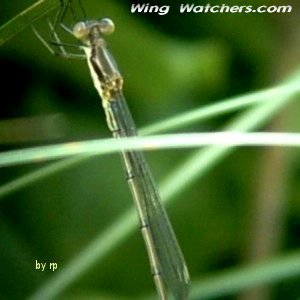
x: 171, y: 64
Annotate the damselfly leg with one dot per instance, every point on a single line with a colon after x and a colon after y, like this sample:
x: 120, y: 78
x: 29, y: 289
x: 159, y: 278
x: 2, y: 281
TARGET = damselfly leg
x: 54, y: 44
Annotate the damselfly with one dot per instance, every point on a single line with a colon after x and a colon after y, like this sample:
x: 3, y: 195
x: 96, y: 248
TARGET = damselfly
x: 166, y: 260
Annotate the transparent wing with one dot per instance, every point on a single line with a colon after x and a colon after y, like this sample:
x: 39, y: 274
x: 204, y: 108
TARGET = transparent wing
x: 151, y: 212
x: 169, y: 254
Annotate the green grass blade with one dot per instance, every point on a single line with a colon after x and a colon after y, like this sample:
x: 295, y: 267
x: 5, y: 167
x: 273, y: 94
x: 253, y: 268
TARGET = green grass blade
x: 158, y: 142
x: 179, y: 121
x: 107, y: 146
x: 226, y: 106
x: 40, y: 174
x: 206, y: 158
x: 25, y: 18
x: 155, y: 142
x: 233, y: 281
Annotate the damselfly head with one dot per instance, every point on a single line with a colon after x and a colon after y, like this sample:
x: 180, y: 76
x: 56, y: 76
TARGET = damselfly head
x: 82, y: 30
x: 106, y: 26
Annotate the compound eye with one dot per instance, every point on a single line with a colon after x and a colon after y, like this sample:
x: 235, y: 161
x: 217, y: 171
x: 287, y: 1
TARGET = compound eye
x: 80, y: 30
x: 107, y: 26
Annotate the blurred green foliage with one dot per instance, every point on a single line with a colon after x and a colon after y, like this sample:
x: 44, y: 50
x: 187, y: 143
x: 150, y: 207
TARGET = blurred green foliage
x: 170, y: 63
